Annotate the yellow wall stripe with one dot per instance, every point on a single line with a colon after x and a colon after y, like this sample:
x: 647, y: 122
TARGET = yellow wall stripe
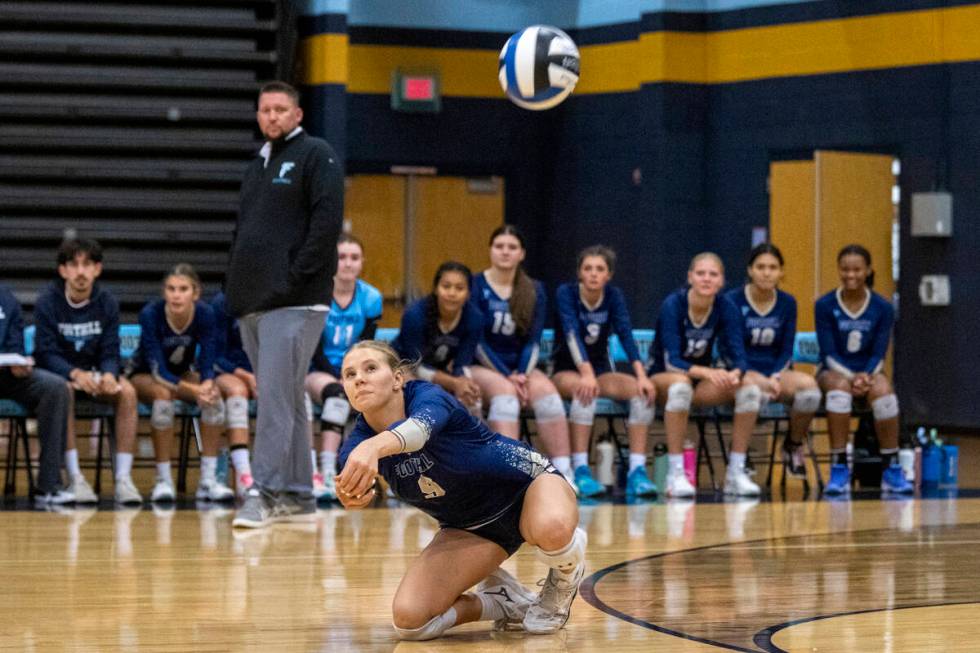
x: 326, y: 59
x: 891, y: 40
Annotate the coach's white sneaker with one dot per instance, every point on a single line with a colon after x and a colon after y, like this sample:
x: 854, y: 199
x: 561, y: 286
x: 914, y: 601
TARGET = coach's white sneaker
x: 738, y: 483
x: 510, y: 595
x: 678, y: 487
x: 554, y: 603
x: 163, y: 490
x: 82, y: 490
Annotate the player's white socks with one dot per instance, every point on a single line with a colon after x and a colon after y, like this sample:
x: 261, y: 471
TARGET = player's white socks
x: 163, y: 471
x: 491, y: 610
x: 562, y: 464
x: 566, y: 559
x: 124, y: 464
x: 71, y: 463
x: 580, y: 458
x: 240, y: 460
x: 209, y: 468
x: 313, y: 459
x: 637, y: 460
x: 432, y: 629
x: 328, y: 463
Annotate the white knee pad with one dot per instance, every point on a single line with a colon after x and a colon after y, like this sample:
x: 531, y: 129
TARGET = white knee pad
x: 335, y: 411
x: 748, y: 399
x: 162, y: 414
x: 579, y: 414
x: 433, y: 628
x: 569, y: 556
x: 839, y: 401
x: 806, y: 401
x: 679, y: 397
x: 214, y: 414
x: 549, y: 408
x: 641, y: 412
x: 236, y: 412
x: 504, y: 408
x: 308, y: 403
x: 885, y: 407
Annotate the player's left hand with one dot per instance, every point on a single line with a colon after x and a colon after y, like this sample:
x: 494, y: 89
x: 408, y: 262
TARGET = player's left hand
x: 351, y: 502
x: 108, y: 385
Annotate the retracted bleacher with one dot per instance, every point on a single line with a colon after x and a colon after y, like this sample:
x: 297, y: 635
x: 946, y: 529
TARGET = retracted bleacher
x: 131, y: 123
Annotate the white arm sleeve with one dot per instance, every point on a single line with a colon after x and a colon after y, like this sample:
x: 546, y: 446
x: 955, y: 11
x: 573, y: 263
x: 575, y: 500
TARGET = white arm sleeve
x: 412, y: 433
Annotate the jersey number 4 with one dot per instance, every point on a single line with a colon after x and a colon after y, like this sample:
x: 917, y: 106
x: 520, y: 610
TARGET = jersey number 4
x: 430, y: 488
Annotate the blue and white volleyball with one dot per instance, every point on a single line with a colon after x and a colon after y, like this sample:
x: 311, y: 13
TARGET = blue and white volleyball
x: 538, y: 67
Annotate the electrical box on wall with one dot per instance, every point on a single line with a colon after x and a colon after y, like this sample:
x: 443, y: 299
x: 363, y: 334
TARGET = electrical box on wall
x: 934, y: 290
x: 932, y: 214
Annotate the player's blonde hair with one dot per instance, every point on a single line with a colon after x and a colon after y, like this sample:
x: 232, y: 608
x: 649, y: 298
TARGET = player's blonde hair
x: 388, y: 354
x: 711, y: 256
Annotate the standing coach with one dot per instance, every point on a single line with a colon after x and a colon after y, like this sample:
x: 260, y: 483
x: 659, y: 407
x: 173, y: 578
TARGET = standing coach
x: 283, y: 258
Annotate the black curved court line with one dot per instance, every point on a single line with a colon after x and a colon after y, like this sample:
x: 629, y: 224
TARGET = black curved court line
x: 587, y: 592
x: 763, y: 638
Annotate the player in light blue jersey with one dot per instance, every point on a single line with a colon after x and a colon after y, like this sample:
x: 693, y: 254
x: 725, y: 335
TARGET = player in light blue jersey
x: 769, y: 328
x: 355, y: 309
x: 513, y: 308
x: 854, y: 328
x: 175, y: 360
x: 440, y: 333
x: 589, y: 311
x: 691, y: 320
x: 488, y: 492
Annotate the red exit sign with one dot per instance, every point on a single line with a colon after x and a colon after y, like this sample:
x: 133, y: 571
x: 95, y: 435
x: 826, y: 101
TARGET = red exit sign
x: 415, y: 91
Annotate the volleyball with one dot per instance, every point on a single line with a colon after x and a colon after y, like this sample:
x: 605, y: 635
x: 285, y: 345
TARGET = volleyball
x: 538, y: 67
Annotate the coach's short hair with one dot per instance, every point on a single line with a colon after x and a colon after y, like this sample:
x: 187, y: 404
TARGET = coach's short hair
x: 72, y: 247
x: 280, y: 87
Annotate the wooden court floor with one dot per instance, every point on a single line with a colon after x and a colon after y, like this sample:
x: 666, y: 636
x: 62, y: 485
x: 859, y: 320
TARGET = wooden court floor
x: 862, y: 575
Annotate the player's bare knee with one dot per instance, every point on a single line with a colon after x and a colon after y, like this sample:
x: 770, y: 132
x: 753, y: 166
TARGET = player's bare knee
x: 407, y: 614
x: 553, y: 530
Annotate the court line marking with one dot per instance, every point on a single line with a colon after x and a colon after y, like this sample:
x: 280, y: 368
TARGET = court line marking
x: 588, y: 594
x: 763, y: 638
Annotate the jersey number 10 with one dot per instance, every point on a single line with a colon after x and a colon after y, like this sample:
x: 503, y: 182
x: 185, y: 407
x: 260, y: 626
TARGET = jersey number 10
x: 763, y: 337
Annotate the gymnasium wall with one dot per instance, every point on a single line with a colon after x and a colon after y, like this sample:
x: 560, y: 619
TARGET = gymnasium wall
x: 664, y: 148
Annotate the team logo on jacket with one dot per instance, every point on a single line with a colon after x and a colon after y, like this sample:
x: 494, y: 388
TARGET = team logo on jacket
x: 284, y: 170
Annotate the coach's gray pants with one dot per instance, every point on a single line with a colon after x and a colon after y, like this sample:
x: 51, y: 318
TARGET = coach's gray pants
x: 280, y: 345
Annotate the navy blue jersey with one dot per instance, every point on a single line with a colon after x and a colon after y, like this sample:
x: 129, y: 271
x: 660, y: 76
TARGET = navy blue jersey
x: 501, y: 347
x: 83, y: 336
x: 680, y: 343
x: 465, y: 475
x: 229, y: 354
x: 167, y: 354
x: 855, y: 342
x: 583, y: 331
x: 448, y: 352
x: 345, y: 325
x: 769, y: 336
x: 11, y: 323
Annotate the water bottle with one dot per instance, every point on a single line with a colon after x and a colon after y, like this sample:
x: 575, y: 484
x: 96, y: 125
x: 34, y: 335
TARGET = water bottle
x: 660, y: 466
x: 906, y: 458
x: 605, y: 453
x: 934, y: 438
x: 690, y: 461
x: 221, y: 469
x: 920, y: 437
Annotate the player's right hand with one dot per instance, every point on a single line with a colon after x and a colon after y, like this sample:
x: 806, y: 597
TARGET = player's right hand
x: 352, y: 502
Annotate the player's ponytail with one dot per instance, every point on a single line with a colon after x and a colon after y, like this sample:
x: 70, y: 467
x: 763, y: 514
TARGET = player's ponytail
x: 858, y: 250
x: 524, y: 296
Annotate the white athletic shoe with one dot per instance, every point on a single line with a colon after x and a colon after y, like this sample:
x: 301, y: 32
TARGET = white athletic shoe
x: 554, y: 603
x: 678, y: 487
x: 82, y: 490
x: 163, y: 490
x: 59, y: 497
x: 126, y: 493
x: 510, y: 594
x: 738, y: 483
x: 214, y: 491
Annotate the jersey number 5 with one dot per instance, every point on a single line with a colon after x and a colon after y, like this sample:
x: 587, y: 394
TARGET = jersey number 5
x: 430, y: 488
